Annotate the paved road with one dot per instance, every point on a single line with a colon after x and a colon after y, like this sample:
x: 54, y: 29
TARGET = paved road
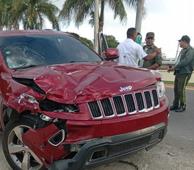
x: 175, y: 152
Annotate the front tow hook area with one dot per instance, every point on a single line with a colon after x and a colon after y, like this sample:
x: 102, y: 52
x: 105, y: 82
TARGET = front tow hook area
x: 89, y: 151
x: 98, y: 151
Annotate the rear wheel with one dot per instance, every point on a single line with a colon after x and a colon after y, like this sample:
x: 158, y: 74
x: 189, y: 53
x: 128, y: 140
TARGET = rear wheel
x: 18, y: 155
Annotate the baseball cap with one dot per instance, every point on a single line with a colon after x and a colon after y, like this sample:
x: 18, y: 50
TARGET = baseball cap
x: 150, y: 35
x: 185, y: 38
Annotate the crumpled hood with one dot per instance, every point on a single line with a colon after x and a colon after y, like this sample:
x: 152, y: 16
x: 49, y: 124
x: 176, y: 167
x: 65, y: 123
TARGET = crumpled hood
x: 70, y: 83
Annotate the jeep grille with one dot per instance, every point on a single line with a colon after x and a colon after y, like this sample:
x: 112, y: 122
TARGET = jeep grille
x: 124, y: 104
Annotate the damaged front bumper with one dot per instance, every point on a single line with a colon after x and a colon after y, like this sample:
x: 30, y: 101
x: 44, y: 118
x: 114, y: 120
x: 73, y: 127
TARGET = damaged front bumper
x: 101, y: 150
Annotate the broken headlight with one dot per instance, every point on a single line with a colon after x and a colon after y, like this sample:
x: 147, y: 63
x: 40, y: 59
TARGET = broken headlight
x: 26, y: 97
x: 52, y: 106
x: 29, y: 83
x: 160, y: 89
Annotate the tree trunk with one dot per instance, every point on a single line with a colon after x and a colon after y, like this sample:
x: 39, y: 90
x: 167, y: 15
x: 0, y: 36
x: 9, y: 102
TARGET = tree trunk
x: 101, y: 19
x: 96, y: 25
x: 139, y: 14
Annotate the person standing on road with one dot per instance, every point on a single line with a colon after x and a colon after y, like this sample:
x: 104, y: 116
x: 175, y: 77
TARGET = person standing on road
x: 156, y: 62
x: 130, y: 53
x: 182, y: 71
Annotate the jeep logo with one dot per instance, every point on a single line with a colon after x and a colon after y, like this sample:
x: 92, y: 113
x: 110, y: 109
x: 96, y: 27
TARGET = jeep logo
x: 125, y: 89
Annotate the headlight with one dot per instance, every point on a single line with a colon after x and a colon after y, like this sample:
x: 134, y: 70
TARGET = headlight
x: 27, y: 97
x: 160, y: 89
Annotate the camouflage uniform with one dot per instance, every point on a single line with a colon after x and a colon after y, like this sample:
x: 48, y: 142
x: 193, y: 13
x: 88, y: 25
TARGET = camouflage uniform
x: 157, y: 59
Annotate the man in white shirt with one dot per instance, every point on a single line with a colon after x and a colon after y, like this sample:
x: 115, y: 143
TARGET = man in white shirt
x: 130, y: 53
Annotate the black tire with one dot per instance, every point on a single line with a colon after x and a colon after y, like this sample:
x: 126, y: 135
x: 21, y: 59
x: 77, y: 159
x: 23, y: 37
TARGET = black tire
x: 9, y: 133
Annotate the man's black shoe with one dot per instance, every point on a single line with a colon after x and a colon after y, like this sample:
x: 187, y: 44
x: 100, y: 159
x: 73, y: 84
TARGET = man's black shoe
x: 174, y: 107
x: 181, y: 109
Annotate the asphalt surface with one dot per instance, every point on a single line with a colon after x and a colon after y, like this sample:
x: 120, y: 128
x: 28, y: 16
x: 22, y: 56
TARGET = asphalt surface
x: 175, y: 152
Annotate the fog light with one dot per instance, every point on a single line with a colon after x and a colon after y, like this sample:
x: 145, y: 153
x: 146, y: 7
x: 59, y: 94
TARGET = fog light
x: 57, y: 138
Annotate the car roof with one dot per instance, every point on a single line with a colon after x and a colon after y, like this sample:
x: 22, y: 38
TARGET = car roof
x: 30, y: 32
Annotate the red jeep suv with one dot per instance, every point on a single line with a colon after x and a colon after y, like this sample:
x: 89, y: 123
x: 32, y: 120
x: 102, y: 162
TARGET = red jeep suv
x: 63, y: 107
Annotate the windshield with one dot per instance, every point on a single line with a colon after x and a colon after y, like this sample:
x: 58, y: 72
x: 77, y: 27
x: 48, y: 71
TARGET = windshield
x: 29, y: 51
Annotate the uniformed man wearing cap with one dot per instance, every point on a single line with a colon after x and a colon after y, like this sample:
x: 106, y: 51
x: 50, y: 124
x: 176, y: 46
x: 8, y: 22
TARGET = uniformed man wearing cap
x: 182, y: 71
x: 156, y: 62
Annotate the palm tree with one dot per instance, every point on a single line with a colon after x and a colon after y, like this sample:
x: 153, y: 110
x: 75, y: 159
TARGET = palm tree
x: 139, y: 14
x: 5, y: 6
x: 78, y: 10
x: 32, y: 12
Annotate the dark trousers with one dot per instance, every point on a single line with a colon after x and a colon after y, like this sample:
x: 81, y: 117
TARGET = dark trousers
x: 180, y: 83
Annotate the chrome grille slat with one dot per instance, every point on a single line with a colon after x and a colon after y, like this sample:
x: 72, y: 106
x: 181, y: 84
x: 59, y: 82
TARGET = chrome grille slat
x: 140, y: 101
x: 94, y: 109
x: 148, y: 99
x: 120, y: 105
x: 130, y: 103
x: 101, y: 109
x: 125, y: 105
x: 155, y: 98
x: 113, y: 106
x: 107, y: 107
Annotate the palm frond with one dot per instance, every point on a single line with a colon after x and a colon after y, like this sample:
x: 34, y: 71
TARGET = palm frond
x: 76, y: 10
x: 131, y: 3
x: 118, y: 8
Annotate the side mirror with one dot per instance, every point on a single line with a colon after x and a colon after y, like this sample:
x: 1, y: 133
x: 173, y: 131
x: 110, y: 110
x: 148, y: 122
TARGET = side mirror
x: 110, y: 54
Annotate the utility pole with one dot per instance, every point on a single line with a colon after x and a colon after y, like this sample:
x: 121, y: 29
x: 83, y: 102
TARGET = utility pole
x: 139, y: 14
x: 96, y: 25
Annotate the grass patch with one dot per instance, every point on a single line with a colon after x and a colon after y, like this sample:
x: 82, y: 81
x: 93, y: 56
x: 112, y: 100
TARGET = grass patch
x: 168, y: 82
x: 172, y: 82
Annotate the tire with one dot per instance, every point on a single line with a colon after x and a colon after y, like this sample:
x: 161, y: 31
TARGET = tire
x: 16, y: 153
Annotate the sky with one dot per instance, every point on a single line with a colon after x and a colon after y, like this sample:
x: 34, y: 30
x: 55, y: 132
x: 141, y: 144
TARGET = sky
x: 169, y: 19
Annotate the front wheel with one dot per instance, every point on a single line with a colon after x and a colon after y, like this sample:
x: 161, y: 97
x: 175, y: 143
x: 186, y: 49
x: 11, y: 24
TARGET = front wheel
x: 18, y: 155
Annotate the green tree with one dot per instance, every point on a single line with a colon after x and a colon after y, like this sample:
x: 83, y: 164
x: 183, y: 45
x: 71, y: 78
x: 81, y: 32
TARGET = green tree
x: 78, y: 10
x: 84, y: 40
x: 32, y: 13
x: 111, y: 41
x: 87, y: 42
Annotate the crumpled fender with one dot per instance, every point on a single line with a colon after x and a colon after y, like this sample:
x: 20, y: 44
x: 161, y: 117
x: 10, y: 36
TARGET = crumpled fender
x: 37, y: 141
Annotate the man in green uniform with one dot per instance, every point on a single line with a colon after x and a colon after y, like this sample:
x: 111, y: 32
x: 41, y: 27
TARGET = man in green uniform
x: 182, y: 71
x: 156, y: 62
